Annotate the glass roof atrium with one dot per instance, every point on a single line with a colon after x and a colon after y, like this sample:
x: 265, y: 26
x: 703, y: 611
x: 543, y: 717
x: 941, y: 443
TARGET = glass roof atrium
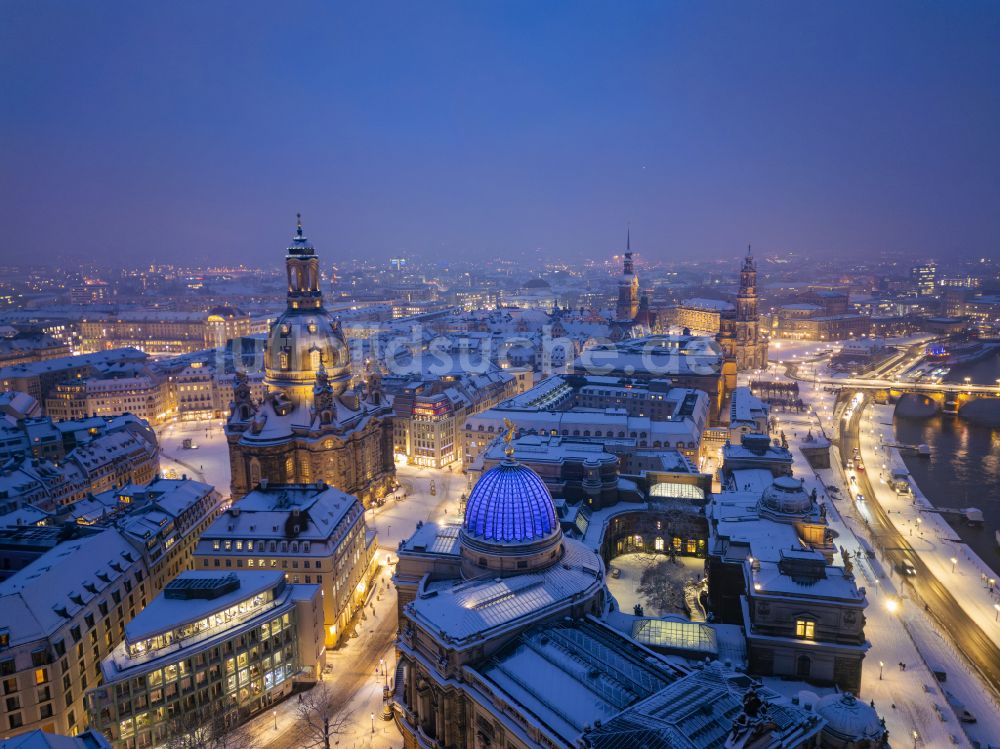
x: 674, y: 635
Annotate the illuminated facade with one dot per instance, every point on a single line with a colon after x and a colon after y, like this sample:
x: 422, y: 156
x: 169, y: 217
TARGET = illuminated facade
x: 740, y: 334
x: 210, y: 642
x: 315, y: 423
x: 429, y: 416
x: 75, y: 588
x: 311, y: 533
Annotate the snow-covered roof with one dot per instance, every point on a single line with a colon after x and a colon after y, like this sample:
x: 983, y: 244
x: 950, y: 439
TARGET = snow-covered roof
x: 265, y: 512
x: 470, y: 609
x: 698, y: 711
x: 711, y: 305
x: 165, y: 613
x: 570, y: 674
x: 48, y: 592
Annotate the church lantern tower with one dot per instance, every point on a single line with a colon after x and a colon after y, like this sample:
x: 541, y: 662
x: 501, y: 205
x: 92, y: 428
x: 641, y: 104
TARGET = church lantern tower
x: 628, y: 287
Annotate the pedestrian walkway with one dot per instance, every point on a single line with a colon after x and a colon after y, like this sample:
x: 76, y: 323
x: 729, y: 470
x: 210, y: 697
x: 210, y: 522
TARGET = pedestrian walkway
x: 911, y: 699
x: 970, y: 580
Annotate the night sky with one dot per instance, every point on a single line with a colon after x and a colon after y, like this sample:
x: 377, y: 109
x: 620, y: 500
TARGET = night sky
x: 190, y: 131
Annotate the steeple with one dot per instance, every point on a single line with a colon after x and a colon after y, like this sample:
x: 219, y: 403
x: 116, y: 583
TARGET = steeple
x: 628, y: 285
x: 302, y: 266
x: 629, y: 267
x: 300, y: 245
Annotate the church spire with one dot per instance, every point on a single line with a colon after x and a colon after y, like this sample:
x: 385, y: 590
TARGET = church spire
x: 302, y: 268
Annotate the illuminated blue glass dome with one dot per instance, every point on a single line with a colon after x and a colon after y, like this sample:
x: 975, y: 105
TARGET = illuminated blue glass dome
x: 510, y: 503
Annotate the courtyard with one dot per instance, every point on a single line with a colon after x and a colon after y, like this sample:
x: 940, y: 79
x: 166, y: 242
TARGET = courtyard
x: 662, y: 591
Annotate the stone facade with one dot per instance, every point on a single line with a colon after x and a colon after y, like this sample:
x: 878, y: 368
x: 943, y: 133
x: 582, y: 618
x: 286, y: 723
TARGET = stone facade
x: 740, y: 332
x: 316, y: 422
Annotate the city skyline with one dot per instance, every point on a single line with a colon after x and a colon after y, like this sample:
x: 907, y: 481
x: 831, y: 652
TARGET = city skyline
x: 471, y: 132
x: 499, y: 375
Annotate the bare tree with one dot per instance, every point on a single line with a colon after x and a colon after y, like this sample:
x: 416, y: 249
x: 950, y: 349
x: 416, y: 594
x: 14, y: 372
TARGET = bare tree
x: 660, y: 588
x: 197, y: 730
x: 321, y: 717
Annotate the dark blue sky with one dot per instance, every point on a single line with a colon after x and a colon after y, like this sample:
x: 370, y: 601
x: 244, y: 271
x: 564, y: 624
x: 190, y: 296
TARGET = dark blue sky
x: 195, y: 130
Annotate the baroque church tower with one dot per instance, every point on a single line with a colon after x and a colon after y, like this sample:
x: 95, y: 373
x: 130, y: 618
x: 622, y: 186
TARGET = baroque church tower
x: 740, y: 334
x: 314, y: 424
x: 628, y: 287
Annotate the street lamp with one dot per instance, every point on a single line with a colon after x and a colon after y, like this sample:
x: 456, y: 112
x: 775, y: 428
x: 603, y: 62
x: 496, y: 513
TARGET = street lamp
x: 953, y: 563
x: 274, y: 714
x: 373, y: 722
x: 881, y: 665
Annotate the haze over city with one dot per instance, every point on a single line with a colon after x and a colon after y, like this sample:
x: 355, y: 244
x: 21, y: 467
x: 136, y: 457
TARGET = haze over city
x: 472, y: 130
x: 465, y: 375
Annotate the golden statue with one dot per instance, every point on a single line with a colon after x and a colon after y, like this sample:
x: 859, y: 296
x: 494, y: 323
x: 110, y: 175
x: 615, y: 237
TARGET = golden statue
x: 508, y: 449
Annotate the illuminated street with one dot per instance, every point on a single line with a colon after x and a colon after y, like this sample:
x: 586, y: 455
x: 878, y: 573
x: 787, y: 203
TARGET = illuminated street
x: 928, y: 645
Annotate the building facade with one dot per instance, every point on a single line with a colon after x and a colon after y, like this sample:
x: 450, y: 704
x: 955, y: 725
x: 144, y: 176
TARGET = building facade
x: 210, y: 643
x: 429, y: 414
x: 740, y: 334
x: 315, y: 423
x: 313, y: 534
x: 66, y: 606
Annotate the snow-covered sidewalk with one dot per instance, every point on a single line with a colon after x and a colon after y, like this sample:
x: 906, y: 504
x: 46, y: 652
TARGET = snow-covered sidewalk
x: 910, y: 699
x: 930, y: 535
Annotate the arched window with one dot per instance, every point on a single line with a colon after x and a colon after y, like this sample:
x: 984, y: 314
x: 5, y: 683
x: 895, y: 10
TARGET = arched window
x: 254, y: 473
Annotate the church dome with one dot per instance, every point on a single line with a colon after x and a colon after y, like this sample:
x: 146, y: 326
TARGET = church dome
x: 849, y: 720
x: 510, y: 524
x: 510, y: 503
x: 305, y: 337
x: 786, y: 496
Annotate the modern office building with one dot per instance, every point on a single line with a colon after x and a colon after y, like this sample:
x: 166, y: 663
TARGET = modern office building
x: 924, y: 277
x: 211, y: 643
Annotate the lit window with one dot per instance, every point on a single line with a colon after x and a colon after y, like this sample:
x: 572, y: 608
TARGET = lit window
x: 805, y: 628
